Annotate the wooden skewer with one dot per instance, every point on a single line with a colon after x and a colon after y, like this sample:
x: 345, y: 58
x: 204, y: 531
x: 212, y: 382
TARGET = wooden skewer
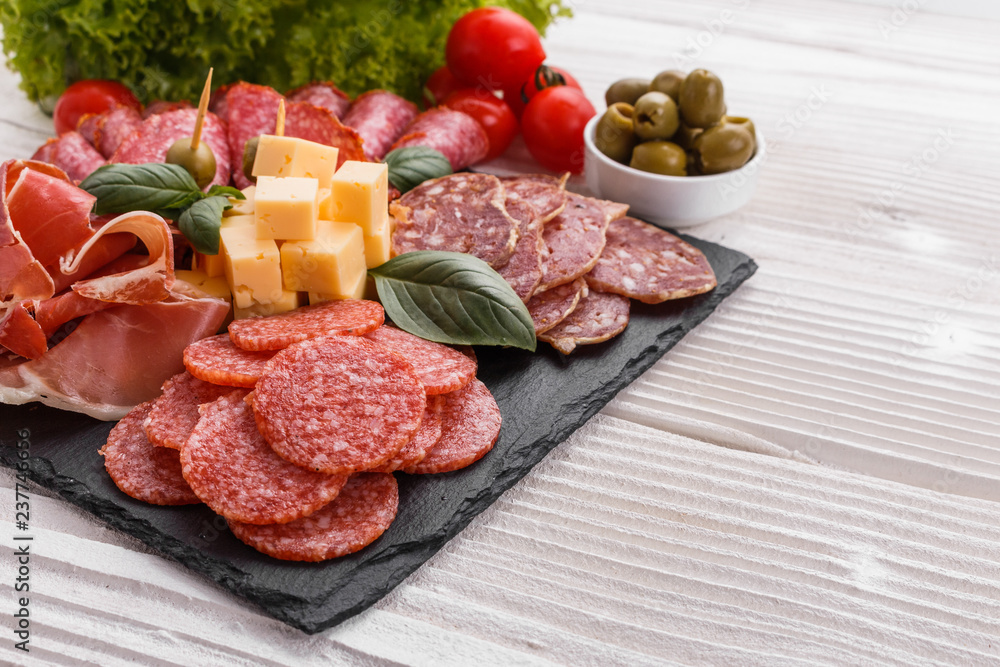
x: 279, y: 123
x: 206, y: 93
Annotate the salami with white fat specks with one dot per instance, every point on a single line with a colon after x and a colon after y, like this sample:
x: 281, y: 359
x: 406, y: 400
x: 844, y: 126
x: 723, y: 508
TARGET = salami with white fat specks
x: 575, y: 238
x: 523, y: 271
x: 422, y: 442
x: 175, y: 412
x: 547, y: 194
x: 346, y: 317
x: 158, y: 132
x: 338, y: 404
x: 460, y: 213
x: 646, y: 263
x: 354, y: 519
x: 470, y: 424
x: 324, y: 95
x: 457, y: 135
x: 441, y: 369
x: 217, y: 360
x: 550, y: 307
x: 140, y: 470
x: 380, y: 117
x: 113, y: 127
x: 71, y: 153
x: 231, y: 469
x: 597, y: 318
x: 164, y: 106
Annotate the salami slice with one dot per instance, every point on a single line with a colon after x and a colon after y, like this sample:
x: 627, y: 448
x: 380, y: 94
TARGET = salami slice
x: 217, y: 103
x: 425, y: 438
x: 87, y: 127
x: 575, y: 238
x: 217, y: 360
x: 338, y: 404
x: 523, y: 271
x: 347, y: 317
x: 550, y: 307
x: 234, y: 472
x: 458, y: 136
x: 598, y: 317
x: 140, y: 470
x: 441, y: 369
x: 470, y: 424
x: 158, y: 132
x: 71, y: 153
x: 157, y: 107
x: 547, y: 194
x: 324, y: 95
x: 461, y: 213
x: 175, y: 413
x: 364, y: 509
x: 380, y: 118
x: 651, y: 265
x: 113, y: 127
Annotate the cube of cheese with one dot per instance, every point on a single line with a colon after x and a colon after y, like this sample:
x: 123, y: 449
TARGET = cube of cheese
x: 241, y: 206
x: 329, y: 264
x: 290, y: 156
x: 378, y: 246
x: 252, y: 266
x: 286, y: 208
x: 361, y: 194
x: 215, y: 265
x: 212, y: 285
x: 288, y: 301
x: 358, y: 292
x: 325, y: 204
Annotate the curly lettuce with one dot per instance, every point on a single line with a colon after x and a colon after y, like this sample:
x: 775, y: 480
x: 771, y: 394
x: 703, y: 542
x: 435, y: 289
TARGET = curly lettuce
x: 162, y: 50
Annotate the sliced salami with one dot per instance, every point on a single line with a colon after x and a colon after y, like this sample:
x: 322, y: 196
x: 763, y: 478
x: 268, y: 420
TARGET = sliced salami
x: 470, y: 424
x: 460, y: 213
x: 575, y: 238
x: 71, y: 153
x: 324, y: 95
x: 347, y: 317
x: 230, y: 467
x: 113, y: 127
x: 425, y: 438
x: 646, y: 263
x: 217, y: 360
x: 338, y: 404
x: 550, y: 307
x: 380, y: 118
x: 140, y: 470
x: 457, y: 135
x: 547, y: 194
x: 364, y: 509
x: 523, y: 271
x: 163, y: 106
x: 217, y: 103
x: 158, y: 132
x: 175, y: 412
x: 598, y: 317
x: 87, y: 127
x: 441, y: 369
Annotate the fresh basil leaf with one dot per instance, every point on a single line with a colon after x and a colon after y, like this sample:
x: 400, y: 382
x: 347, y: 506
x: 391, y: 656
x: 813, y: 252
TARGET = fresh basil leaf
x: 200, y: 224
x: 451, y: 297
x: 411, y: 166
x: 225, y: 191
x: 121, y: 188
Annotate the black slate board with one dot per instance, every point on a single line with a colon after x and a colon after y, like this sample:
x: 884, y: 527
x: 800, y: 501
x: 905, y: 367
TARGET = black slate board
x: 543, y: 398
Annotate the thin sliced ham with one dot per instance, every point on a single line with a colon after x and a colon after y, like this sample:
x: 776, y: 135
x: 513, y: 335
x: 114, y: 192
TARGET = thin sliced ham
x: 22, y: 276
x: 20, y: 333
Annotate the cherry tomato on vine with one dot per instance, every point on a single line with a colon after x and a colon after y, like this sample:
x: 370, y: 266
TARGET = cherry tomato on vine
x: 89, y: 97
x: 491, y: 112
x: 545, y: 76
x: 439, y: 86
x: 493, y: 48
x: 553, y: 125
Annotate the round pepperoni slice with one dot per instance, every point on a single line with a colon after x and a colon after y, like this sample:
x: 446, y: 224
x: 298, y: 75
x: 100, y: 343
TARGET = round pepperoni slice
x: 175, y: 412
x: 231, y: 468
x: 142, y: 471
x: 442, y: 369
x: 426, y: 437
x: 217, y: 360
x: 470, y: 424
x: 597, y: 318
x: 575, y: 238
x: 338, y: 404
x: 346, y: 317
x: 359, y: 515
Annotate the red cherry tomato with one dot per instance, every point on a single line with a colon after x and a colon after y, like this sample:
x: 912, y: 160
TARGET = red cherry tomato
x: 493, y: 48
x: 545, y: 76
x: 553, y: 125
x: 89, y: 97
x: 491, y: 112
x: 440, y: 85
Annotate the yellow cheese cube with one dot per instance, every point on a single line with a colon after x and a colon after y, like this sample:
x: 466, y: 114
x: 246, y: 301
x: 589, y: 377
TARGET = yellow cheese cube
x: 329, y: 264
x: 286, y: 208
x: 358, y: 292
x: 360, y: 194
x: 212, y: 285
x: 252, y: 266
x: 215, y: 265
x: 289, y: 156
x: 288, y: 301
x: 378, y: 246
x: 325, y: 204
x: 241, y: 206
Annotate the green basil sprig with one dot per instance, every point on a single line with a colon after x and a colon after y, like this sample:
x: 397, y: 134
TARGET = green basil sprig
x: 168, y: 190
x: 411, y: 166
x: 451, y: 297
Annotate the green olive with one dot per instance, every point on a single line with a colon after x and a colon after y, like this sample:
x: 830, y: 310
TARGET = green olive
x: 660, y: 157
x: 723, y: 148
x: 613, y: 135
x: 685, y: 136
x: 669, y: 82
x: 626, y: 90
x: 249, y: 156
x: 200, y: 163
x: 701, y: 99
x: 655, y: 116
x: 746, y: 124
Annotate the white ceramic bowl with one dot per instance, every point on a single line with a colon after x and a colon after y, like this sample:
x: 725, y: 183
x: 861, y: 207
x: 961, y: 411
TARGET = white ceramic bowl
x: 670, y: 201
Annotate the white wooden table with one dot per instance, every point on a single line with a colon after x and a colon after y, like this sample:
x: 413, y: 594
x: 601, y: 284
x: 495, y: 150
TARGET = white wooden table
x: 811, y: 477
